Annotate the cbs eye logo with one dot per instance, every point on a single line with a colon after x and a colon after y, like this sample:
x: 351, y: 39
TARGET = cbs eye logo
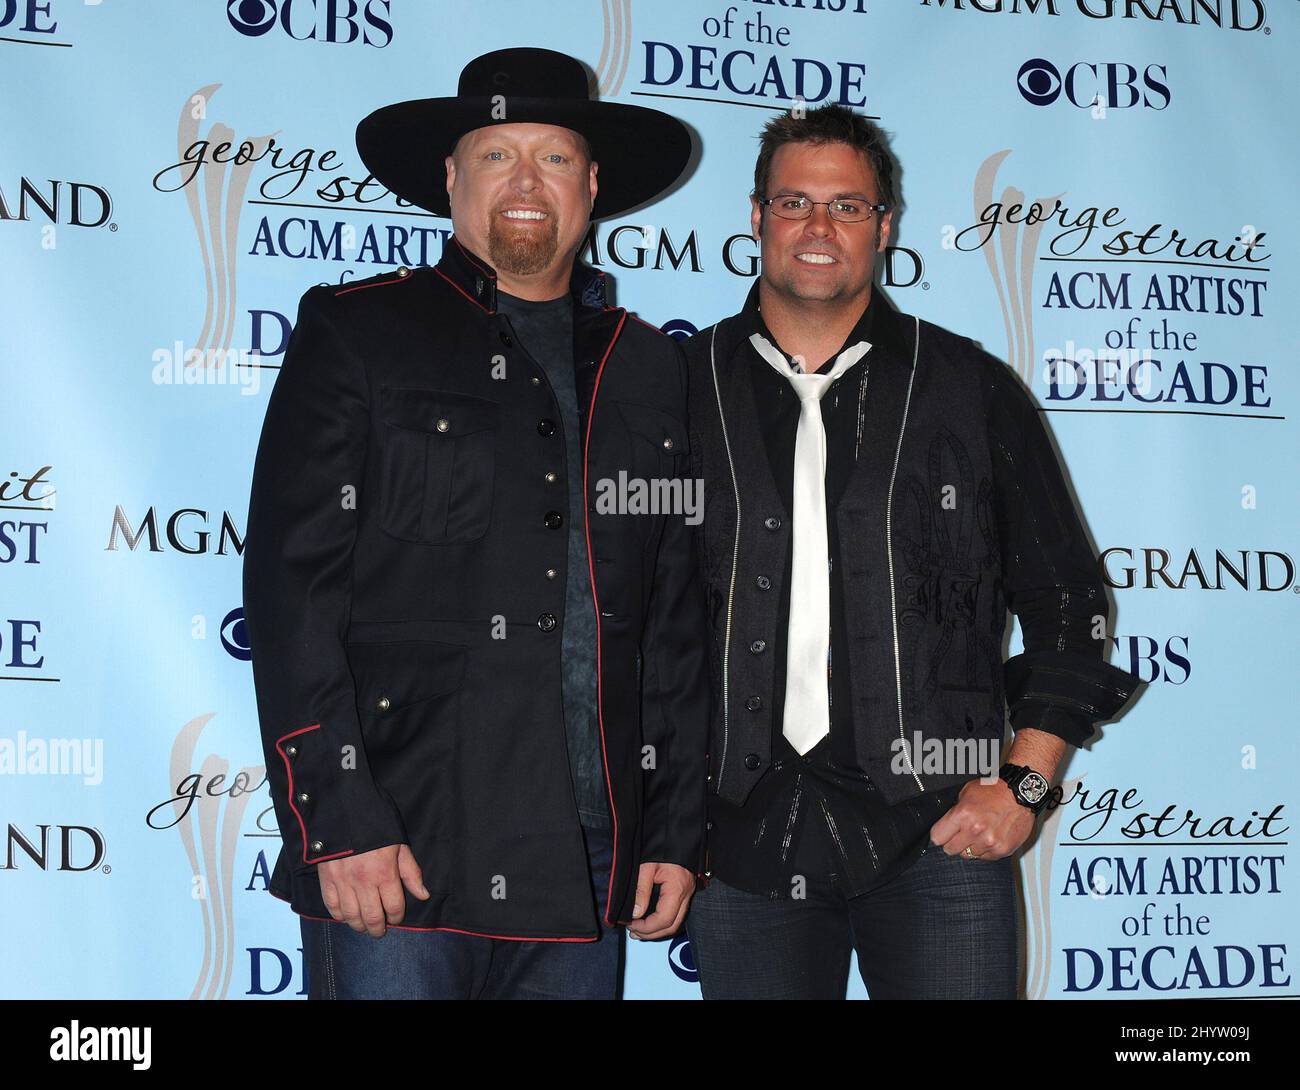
x: 251, y: 17
x: 1115, y: 86
x: 365, y: 21
x: 678, y: 329
x: 681, y: 961
x: 234, y: 635
x: 1039, y: 82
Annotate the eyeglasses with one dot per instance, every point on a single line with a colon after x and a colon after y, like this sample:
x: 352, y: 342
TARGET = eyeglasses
x: 795, y: 206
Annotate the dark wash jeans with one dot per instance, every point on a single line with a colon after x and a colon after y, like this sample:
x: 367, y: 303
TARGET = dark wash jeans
x: 347, y: 964
x: 945, y: 928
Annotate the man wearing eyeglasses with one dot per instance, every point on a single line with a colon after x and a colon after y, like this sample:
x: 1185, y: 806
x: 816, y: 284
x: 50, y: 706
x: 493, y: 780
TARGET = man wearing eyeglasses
x: 878, y: 493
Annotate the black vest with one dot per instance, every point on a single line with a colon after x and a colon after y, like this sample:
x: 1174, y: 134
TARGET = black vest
x: 924, y: 606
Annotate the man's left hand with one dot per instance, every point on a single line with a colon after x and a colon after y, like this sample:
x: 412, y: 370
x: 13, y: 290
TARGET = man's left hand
x: 676, y: 886
x: 987, y: 819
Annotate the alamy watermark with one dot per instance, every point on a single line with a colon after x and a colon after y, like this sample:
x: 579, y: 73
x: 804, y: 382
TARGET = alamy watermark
x: 655, y: 496
x: 24, y: 756
x: 947, y: 756
x: 179, y: 366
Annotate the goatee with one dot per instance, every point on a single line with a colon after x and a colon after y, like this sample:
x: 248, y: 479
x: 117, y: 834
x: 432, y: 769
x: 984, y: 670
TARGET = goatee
x: 522, y: 251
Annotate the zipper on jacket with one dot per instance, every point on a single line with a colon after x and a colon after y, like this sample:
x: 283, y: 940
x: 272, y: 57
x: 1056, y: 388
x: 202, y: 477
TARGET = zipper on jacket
x: 889, y: 551
x: 735, y: 556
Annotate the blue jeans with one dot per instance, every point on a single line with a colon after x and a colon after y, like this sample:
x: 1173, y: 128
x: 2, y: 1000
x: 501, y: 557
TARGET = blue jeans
x: 945, y: 928
x: 347, y: 964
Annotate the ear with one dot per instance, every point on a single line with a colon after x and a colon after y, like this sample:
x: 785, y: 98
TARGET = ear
x: 886, y: 226
x: 591, y: 181
x: 450, y: 164
x: 755, y: 217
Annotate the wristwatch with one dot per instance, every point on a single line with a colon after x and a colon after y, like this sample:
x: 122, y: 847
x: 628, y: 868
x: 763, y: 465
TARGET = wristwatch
x: 1029, y: 787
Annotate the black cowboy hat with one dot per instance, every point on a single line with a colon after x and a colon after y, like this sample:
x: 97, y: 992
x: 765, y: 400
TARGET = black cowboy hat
x: 641, y: 152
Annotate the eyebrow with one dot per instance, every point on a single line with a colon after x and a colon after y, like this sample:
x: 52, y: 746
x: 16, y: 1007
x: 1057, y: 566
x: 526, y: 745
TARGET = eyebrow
x: 486, y: 142
x: 837, y: 197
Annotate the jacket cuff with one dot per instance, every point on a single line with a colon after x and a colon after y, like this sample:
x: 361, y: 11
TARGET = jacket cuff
x: 336, y: 813
x: 1067, y: 725
x: 1066, y: 681
x: 680, y: 842
x: 687, y: 855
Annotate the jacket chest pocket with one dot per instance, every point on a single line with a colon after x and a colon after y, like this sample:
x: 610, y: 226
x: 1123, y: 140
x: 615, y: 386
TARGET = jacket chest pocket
x: 438, y: 465
x: 657, y: 450
x: 657, y: 440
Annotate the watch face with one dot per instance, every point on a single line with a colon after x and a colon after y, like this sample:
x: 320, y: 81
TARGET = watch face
x: 1033, y: 787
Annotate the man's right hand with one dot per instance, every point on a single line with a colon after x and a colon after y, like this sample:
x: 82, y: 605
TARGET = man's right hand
x: 365, y: 891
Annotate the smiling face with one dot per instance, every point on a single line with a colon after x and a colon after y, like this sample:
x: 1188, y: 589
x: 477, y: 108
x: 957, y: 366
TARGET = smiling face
x: 818, y: 259
x: 521, y: 194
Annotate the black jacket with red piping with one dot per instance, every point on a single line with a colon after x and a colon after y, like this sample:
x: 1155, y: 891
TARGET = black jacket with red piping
x: 405, y: 635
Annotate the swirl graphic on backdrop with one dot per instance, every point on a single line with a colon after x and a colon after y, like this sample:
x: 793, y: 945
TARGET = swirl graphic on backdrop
x: 615, y: 48
x: 216, y: 198
x: 1011, y: 252
x: 209, y: 834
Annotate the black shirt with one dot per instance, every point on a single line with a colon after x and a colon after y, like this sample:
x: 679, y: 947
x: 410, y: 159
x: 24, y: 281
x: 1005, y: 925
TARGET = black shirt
x: 817, y: 818
x: 544, y: 329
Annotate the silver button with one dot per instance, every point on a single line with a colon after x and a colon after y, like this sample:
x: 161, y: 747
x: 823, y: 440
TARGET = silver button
x: 550, y: 477
x: 383, y: 704
x: 443, y: 425
x: 551, y: 573
x: 303, y: 796
x: 668, y: 442
x: 316, y: 846
x: 402, y: 270
x: 535, y: 381
x: 291, y: 751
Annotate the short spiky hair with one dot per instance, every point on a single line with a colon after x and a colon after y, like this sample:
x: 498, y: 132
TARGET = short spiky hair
x: 828, y: 124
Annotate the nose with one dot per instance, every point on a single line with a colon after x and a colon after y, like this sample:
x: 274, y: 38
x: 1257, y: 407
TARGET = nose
x: 820, y: 224
x: 525, y: 178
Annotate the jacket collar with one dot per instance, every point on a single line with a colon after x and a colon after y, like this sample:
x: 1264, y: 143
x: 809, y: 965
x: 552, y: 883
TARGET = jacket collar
x: 475, y: 279
x: 884, y: 413
x: 879, y: 325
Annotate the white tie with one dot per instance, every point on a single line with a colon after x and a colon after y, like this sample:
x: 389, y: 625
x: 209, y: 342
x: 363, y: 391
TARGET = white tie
x: 806, y: 719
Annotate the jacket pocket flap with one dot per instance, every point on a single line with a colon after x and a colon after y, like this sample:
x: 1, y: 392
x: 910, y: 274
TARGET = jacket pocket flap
x: 393, y: 675
x: 440, y: 412
x: 661, y: 428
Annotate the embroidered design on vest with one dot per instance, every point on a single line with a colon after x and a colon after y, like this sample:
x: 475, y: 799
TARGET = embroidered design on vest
x: 942, y: 579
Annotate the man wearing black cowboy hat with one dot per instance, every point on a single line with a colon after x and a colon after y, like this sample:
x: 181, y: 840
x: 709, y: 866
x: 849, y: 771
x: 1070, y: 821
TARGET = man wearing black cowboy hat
x: 483, y: 703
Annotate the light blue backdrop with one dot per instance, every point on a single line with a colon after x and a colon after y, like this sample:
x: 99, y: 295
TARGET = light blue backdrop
x: 123, y: 670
